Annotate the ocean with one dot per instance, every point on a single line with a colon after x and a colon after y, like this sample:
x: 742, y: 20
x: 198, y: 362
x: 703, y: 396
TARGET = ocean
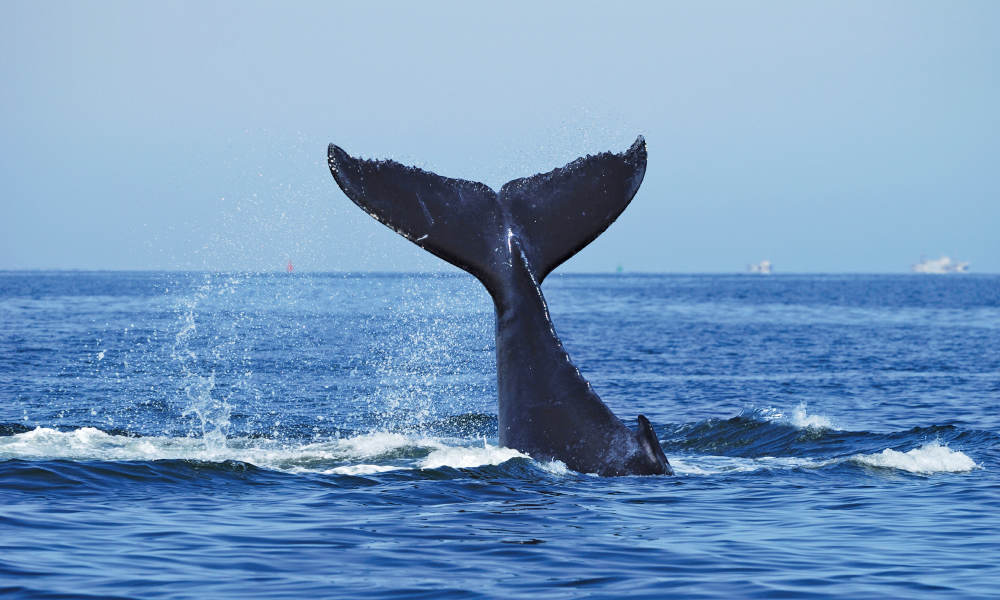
x: 233, y: 435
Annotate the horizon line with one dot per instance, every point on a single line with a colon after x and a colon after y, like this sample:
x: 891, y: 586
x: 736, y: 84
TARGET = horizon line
x: 463, y: 273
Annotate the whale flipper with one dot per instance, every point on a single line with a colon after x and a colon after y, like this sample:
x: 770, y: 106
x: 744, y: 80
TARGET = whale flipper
x: 510, y: 241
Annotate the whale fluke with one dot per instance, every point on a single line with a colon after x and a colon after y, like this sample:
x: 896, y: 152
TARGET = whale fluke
x: 511, y: 241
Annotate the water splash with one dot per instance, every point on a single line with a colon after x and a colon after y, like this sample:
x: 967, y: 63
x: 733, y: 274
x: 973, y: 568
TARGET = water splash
x: 798, y: 417
x: 213, y: 413
x: 425, y: 350
x: 803, y: 420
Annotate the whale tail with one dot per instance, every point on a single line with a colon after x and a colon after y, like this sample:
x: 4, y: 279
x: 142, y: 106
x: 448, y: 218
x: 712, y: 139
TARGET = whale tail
x: 466, y: 223
x: 511, y: 240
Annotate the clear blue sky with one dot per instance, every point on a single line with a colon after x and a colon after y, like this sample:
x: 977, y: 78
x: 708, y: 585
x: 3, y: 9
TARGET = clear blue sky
x: 826, y: 137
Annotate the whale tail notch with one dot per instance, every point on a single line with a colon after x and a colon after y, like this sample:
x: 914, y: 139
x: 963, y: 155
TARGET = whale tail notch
x: 554, y: 214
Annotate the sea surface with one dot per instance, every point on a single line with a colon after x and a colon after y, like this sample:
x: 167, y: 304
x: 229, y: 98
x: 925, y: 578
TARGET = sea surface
x: 231, y: 435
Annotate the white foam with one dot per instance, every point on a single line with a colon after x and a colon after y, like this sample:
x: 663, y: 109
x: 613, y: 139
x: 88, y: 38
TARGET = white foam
x: 716, y: 465
x: 466, y: 458
x: 83, y: 443
x: 379, y: 443
x: 363, y: 454
x: 360, y: 469
x: 929, y: 458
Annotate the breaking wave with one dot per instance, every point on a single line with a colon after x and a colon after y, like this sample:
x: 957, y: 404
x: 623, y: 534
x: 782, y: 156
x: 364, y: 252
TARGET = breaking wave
x: 362, y: 454
x: 925, y: 460
x: 769, y: 439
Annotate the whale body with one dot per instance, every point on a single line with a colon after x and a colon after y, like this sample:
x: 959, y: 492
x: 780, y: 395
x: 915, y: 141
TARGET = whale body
x: 511, y: 240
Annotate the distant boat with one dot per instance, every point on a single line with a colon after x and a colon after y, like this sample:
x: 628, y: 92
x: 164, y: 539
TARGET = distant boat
x: 290, y: 268
x: 763, y: 267
x: 940, y: 266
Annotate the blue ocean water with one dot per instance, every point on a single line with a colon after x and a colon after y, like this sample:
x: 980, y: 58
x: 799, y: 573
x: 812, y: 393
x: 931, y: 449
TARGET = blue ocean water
x: 176, y: 435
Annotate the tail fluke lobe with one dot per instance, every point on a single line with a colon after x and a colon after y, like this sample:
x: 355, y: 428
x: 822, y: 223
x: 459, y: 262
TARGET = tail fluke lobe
x: 457, y: 220
x: 557, y: 213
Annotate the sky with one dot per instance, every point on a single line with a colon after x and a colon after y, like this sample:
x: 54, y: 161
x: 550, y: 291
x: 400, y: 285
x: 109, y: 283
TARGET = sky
x: 826, y: 137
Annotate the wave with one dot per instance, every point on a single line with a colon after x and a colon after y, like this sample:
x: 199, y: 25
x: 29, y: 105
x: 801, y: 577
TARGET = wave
x: 929, y: 459
x: 760, y: 440
x: 761, y: 432
x: 925, y: 460
x: 769, y: 439
x: 695, y: 465
x: 772, y: 432
x: 361, y: 454
x: 797, y: 417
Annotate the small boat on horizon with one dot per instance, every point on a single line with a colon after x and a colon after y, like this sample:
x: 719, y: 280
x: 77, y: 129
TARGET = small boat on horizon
x: 763, y: 267
x: 940, y: 266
